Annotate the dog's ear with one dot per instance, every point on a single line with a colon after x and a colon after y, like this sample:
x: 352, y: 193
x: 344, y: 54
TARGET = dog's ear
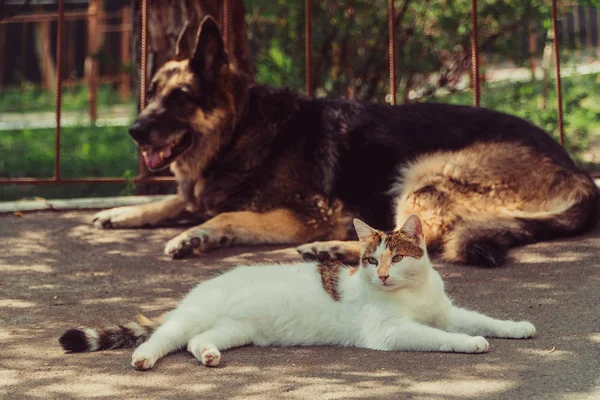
x: 183, y: 48
x: 209, y: 54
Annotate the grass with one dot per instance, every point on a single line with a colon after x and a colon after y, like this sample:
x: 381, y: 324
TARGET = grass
x: 581, y: 108
x: 85, y: 152
x: 109, y: 152
x: 74, y: 98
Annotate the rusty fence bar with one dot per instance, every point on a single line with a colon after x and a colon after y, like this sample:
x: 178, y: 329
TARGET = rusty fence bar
x: 308, y: 46
x: 61, y: 16
x: 36, y: 181
x: 559, y: 107
x: 39, y: 17
x: 58, y: 100
x: 225, y: 23
x: 143, y: 72
x: 475, y: 54
x: 392, y: 50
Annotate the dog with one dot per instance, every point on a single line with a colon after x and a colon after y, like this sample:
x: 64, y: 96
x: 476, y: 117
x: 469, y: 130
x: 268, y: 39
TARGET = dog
x: 262, y: 165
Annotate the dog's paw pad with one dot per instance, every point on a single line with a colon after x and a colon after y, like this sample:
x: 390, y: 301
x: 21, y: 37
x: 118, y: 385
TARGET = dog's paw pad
x: 323, y: 252
x: 187, y: 244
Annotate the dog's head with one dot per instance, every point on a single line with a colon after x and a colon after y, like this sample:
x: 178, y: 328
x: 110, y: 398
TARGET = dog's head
x: 192, y: 102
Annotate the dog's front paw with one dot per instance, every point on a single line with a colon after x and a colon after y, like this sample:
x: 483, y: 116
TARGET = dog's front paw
x: 120, y: 217
x: 328, y: 251
x: 190, y: 242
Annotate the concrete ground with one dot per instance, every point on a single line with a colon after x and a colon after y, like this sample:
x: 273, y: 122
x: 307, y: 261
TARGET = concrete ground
x: 57, y: 271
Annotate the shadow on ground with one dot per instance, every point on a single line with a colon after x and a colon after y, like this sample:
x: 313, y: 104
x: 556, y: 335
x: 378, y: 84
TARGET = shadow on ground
x: 56, y: 271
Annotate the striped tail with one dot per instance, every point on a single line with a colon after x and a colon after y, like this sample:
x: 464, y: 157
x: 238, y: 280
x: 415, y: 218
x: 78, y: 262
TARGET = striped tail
x: 131, y: 334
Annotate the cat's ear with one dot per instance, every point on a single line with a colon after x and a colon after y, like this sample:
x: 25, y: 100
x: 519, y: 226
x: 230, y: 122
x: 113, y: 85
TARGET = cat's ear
x: 413, y: 228
x: 363, y: 230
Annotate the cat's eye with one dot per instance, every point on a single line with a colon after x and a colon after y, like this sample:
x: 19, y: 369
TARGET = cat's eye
x: 397, y: 258
x: 371, y: 260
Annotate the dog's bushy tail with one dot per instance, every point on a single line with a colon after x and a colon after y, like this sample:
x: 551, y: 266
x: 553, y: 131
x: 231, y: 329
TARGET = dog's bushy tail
x: 132, y: 334
x: 486, y: 238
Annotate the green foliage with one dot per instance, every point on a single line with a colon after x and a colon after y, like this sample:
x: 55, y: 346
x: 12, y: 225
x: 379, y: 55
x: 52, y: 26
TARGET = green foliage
x: 350, y: 42
x: 581, y: 106
x: 34, y: 98
x: 85, y: 152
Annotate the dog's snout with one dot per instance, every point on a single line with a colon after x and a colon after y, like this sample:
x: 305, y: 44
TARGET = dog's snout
x: 139, y: 132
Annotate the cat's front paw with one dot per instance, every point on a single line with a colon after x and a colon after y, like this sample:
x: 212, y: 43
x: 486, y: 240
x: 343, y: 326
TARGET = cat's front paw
x: 520, y: 330
x: 143, y: 358
x: 209, y: 356
x: 468, y: 344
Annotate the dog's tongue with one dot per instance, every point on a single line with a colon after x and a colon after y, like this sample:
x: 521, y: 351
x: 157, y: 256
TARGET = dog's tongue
x: 155, y: 157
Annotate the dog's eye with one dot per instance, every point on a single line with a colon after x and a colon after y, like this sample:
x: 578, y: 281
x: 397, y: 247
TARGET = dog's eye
x: 181, y: 92
x: 397, y: 258
x: 371, y: 260
x: 151, y: 91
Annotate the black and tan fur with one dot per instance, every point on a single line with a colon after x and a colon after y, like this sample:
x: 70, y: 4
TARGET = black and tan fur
x: 265, y: 165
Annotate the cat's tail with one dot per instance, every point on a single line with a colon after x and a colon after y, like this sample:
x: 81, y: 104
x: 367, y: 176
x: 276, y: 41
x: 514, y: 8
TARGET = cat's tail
x: 132, y: 334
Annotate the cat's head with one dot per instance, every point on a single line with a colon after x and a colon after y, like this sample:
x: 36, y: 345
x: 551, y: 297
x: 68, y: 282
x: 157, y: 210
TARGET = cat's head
x: 393, y: 260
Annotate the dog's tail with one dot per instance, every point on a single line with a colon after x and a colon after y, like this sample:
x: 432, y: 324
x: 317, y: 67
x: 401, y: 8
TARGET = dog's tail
x: 486, y: 238
x: 132, y: 334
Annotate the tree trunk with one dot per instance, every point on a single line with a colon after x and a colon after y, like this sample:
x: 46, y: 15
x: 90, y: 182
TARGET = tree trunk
x: 166, y: 18
x: 43, y: 47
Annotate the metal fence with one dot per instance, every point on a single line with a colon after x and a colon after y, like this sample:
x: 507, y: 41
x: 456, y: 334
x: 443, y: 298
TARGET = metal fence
x: 144, y: 178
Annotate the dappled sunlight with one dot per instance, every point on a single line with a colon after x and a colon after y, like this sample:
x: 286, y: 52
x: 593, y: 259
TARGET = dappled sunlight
x: 25, y: 268
x: 467, y: 388
x: 59, y: 272
x: 103, y: 301
x: 16, y: 303
x: 24, y: 247
x: 594, y: 338
x: 552, y: 353
x: 536, y: 285
x: 563, y: 257
x: 8, y: 378
x: 47, y: 286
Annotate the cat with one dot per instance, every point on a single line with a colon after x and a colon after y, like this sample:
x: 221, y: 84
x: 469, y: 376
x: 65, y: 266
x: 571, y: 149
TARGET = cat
x: 394, y: 300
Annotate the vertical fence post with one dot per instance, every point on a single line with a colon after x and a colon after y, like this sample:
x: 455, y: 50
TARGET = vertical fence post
x: 392, y: 50
x: 559, y: 106
x: 308, y: 46
x: 143, y: 67
x: 58, y: 98
x: 91, y: 63
x: 475, y: 54
x: 2, y: 51
x: 225, y: 23
x: 597, y: 33
x: 125, y: 76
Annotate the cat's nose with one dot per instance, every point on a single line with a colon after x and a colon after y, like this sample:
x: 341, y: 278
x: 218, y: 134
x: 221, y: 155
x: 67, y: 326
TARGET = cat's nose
x: 383, y: 277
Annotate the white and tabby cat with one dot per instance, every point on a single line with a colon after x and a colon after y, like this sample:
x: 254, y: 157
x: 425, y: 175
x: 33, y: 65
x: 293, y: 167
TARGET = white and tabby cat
x: 394, y: 300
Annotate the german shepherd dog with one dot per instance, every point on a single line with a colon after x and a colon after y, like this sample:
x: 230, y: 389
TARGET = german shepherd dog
x: 263, y: 165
